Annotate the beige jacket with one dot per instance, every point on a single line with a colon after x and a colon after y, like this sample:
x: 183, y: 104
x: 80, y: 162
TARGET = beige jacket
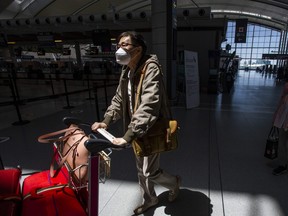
x: 152, y: 100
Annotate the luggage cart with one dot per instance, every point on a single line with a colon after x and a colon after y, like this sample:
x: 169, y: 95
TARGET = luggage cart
x: 95, y: 173
x: 98, y: 162
x: 86, y: 190
x: 66, y: 183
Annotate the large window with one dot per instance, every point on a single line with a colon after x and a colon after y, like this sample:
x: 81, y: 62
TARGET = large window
x: 260, y: 39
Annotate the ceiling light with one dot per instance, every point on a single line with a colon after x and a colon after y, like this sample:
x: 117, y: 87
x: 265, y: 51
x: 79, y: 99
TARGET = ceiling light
x: 129, y: 15
x: 116, y: 16
x: 58, y: 20
x: 91, y: 18
x: 143, y: 15
x: 104, y: 17
x: 80, y: 18
x: 186, y: 13
x: 69, y: 19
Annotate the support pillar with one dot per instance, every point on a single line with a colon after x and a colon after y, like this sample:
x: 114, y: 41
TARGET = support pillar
x: 164, y: 43
x: 78, y: 55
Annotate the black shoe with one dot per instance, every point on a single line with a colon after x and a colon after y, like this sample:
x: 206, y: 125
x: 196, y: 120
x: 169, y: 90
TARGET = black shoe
x: 280, y: 170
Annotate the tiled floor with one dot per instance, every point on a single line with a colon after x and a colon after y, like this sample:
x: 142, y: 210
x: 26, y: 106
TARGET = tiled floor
x: 220, y: 157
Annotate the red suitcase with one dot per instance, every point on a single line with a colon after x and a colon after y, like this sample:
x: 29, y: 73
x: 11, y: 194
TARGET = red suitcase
x: 10, y: 193
x: 57, y: 200
x: 43, y: 179
x: 51, y: 195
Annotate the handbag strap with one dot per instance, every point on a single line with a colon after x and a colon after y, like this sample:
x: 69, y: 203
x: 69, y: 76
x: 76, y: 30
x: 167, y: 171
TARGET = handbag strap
x: 274, y: 132
x: 45, y: 138
x: 64, y: 157
x: 140, y: 86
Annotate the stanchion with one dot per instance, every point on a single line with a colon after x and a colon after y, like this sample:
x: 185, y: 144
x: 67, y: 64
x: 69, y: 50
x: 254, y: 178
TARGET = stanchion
x: 13, y: 79
x: 89, y: 90
x: 66, y: 95
x: 15, y: 87
x: 16, y: 104
x: 96, y: 101
x: 105, y: 90
x: 52, y: 86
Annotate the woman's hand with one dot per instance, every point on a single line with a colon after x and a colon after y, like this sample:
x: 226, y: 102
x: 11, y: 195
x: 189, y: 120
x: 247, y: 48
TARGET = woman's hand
x: 97, y: 125
x: 119, y: 141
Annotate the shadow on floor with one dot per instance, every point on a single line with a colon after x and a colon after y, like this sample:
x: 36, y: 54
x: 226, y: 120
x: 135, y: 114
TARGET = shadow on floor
x: 188, y: 203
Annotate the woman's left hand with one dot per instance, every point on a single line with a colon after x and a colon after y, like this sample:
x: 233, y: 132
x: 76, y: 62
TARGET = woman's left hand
x: 119, y: 141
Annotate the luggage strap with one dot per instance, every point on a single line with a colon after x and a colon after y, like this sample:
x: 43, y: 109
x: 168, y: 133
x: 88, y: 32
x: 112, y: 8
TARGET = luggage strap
x: 12, y: 197
x: 36, y: 192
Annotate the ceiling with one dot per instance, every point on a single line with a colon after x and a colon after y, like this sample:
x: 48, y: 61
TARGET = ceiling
x: 74, y: 19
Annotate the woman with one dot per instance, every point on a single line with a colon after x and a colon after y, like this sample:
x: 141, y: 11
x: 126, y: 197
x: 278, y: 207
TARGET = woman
x: 131, y: 53
x: 280, y: 120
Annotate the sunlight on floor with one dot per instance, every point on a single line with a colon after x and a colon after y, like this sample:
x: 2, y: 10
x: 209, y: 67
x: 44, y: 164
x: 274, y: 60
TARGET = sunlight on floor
x: 248, y: 204
x: 196, y: 201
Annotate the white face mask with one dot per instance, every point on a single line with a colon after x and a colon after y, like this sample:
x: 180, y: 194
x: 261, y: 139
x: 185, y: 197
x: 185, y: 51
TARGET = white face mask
x: 122, y: 56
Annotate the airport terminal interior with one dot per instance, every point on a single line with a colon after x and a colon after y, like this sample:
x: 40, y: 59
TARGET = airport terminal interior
x: 224, y: 117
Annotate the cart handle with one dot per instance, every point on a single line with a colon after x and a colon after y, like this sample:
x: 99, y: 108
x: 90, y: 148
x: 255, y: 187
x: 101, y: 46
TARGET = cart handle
x: 98, y: 145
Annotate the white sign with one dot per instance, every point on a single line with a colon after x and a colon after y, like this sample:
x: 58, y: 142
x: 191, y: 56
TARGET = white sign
x: 191, y: 79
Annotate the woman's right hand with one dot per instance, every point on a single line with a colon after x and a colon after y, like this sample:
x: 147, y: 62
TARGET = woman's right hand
x: 97, y: 125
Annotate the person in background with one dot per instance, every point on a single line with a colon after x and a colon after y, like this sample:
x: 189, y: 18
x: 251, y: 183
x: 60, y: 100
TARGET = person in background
x: 131, y: 53
x: 280, y: 120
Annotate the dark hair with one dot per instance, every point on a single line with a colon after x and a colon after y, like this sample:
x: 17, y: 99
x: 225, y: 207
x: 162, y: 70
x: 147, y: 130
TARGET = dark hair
x: 136, y: 38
